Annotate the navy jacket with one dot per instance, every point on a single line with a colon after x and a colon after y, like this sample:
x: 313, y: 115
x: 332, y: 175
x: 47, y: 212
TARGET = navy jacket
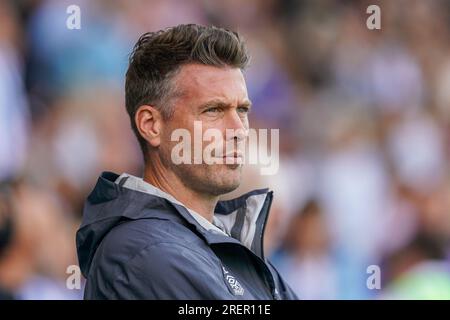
x: 134, y: 245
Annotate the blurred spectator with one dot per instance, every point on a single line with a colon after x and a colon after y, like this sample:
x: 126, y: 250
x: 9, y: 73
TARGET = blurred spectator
x: 38, y: 246
x: 6, y: 234
x: 418, y: 271
x: 305, y: 260
x: 14, y: 117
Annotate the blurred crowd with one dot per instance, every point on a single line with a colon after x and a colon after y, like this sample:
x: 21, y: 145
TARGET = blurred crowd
x: 364, y: 119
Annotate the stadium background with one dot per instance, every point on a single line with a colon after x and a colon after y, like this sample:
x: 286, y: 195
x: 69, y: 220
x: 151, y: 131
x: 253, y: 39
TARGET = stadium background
x: 364, y: 119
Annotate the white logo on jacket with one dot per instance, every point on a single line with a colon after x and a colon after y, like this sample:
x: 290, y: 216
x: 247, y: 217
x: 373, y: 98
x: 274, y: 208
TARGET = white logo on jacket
x: 233, y: 283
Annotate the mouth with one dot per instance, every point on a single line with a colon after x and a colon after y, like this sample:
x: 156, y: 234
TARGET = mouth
x: 233, y: 158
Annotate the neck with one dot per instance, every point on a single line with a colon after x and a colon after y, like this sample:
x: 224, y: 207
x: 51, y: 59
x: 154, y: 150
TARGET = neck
x: 166, y: 180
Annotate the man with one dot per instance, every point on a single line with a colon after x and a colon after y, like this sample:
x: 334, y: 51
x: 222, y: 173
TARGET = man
x: 166, y: 235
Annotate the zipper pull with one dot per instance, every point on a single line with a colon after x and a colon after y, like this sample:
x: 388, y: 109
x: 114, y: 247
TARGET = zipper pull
x: 276, y: 294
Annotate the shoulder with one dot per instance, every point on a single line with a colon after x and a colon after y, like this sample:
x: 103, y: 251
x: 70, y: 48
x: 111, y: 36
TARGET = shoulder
x: 155, y: 259
x: 131, y: 237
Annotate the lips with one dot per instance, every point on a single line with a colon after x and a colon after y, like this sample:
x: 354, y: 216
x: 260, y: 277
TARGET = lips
x: 233, y: 155
x: 233, y: 158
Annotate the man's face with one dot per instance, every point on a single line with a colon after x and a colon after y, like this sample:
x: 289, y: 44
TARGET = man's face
x: 217, y: 98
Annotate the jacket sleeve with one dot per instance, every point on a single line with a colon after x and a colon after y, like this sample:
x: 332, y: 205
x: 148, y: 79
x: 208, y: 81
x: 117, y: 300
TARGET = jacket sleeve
x: 170, y: 271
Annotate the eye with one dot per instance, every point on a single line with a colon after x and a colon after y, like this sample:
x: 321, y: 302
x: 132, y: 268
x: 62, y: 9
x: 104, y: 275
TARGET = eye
x: 212, y: 110
x: 243, y: 109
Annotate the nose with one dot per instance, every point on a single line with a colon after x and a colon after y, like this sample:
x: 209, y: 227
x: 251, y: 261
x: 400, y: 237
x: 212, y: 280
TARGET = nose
x: 237, y: 126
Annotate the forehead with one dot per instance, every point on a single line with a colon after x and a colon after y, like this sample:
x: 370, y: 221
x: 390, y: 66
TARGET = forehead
x: 201, y: 83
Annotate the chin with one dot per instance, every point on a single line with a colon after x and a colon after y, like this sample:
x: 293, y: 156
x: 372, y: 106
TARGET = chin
x: 228, y: 182
x: 221, y: 189
x: 213, y: 180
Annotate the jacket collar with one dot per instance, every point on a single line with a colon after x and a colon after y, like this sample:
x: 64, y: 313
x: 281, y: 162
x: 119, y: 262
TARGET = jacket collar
x: 138, y: 184
x: 244, y: 218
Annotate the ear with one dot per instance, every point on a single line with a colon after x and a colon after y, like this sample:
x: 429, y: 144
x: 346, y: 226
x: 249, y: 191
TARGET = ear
x: 149, y: 123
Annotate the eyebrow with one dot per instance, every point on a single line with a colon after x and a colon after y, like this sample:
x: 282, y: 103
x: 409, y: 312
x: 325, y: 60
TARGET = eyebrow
x: 222, y: 104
